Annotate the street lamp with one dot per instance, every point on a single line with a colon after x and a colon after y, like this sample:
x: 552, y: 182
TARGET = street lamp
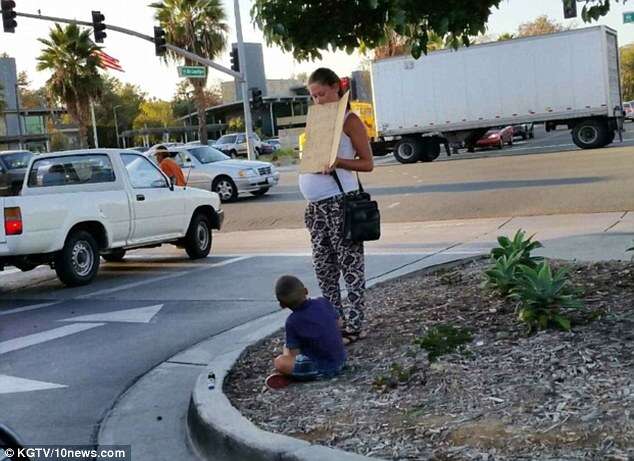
x: 116, y: 124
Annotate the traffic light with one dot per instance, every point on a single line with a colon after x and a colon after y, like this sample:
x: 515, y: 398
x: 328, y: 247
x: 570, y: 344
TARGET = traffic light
x: 98, y: 26
x: 257, y: 98
x: 235, y: 59
x: 570, y: 9
x: 159, y: 41
x: 8, y: 16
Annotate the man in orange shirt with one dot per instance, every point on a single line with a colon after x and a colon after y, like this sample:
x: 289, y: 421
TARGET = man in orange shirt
x: 169, y: 166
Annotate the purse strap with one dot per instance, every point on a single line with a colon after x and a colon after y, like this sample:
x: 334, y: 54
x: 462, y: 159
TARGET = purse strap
x: 338, y: 181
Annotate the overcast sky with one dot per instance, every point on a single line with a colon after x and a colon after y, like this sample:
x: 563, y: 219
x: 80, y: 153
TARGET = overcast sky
x: 159, y: 80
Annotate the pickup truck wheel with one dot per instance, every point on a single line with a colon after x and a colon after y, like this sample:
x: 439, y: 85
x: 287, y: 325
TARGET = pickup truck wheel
x: 225, y: 188
x: 114, y: 256
x: 260, y: 192
x: 408, y: 150
x: 78, y: 262
x: 198, y: 238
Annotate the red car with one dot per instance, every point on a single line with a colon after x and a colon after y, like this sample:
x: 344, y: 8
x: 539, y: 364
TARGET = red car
x: 496, y: 137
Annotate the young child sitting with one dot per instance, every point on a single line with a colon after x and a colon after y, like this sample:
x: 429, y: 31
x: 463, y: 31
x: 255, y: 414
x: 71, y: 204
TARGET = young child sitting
x: 314, y: 347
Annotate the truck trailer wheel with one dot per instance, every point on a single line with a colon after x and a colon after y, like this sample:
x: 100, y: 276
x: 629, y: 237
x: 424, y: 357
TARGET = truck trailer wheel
x: 78, y: 262
x: 590, y: 134
x: 198, y: 238
x: 408, y: 150
x: 431, y: 150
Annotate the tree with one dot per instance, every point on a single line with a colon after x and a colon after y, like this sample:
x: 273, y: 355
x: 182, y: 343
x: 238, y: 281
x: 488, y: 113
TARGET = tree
x: 197, y: 26
x: 69, y: 54
x: 505, y: 36
x: 181, y: 102
x: 153, y: 114
x: 299, y: 26
x: 627, y: 71
x: 31, y: 99
x: 540, y: 26
x: 127, y: 98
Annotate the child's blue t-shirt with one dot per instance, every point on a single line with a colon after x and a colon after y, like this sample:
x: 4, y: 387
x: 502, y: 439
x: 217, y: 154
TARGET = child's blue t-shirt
x: 312, y: 328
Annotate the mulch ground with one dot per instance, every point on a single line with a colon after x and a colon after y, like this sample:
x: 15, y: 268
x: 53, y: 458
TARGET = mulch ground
x: 506, y: 396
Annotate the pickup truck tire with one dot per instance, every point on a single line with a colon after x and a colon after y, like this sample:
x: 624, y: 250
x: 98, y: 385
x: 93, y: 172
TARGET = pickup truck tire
x: 78, y: 262
x: 590, y: 134
x: 408, y: 150
x: 225, y: 188
x: 260, y: 192
x: 198, y: 238
x: 114, y: 256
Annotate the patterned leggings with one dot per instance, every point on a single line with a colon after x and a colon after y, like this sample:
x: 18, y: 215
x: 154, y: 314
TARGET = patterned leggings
x: 333, y: 256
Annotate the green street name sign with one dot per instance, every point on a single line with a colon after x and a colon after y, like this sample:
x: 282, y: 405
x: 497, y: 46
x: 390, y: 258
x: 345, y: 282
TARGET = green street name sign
x: 192, y: 71
x: 628, y: 17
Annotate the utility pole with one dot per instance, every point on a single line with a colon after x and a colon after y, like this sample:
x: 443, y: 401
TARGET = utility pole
x: 94, y: 124
x: 17, y: 111
x: 248, y: 124
x: 116, y: 124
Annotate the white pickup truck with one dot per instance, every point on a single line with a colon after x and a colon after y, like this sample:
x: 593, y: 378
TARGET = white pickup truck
x: 76, y: 206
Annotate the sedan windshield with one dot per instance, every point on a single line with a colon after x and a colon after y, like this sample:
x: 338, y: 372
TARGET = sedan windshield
x: 17, y: 160
x: 206, y: 154
x: 227, y: 139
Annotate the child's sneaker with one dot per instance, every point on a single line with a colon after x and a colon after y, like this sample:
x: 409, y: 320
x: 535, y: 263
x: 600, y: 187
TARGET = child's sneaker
x: 277, y: 381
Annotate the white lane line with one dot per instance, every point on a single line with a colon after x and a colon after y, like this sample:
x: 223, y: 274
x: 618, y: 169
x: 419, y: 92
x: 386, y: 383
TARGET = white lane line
x: 13, y: 385
x: 37, y: 338
x: 235, y: 259
x: 158, y: 279
x: 135, y: 315
x: 28, y: 308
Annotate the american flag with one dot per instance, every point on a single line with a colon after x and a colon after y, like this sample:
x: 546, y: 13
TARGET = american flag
x: 108, y: 62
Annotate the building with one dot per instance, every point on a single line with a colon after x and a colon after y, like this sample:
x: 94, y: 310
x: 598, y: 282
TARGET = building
x: 33, y: 128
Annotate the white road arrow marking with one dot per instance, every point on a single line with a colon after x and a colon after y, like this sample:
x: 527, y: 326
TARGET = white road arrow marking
x: 11, y: 385
x: 137, y: 315
x: 37, y: 338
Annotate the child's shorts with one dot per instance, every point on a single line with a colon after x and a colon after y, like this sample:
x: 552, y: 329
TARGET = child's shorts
x: 306, y: 370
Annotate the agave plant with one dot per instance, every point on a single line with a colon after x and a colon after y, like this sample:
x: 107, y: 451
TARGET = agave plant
x: 502, y: 275
x: 520, y: 245
x: 542, y: 294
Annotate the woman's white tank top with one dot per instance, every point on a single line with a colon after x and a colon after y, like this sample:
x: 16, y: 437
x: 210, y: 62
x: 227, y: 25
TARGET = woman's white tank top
x: 315, y: 187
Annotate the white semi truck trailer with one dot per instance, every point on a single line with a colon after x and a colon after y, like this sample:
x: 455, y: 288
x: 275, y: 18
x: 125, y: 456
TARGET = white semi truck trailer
x: 568, y: 78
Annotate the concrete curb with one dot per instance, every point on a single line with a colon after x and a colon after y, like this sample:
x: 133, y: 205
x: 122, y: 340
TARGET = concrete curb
x: 220, y: 432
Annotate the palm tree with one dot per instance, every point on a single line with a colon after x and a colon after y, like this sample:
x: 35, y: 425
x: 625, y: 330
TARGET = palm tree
x: 70, y: 56
x: 197, y: 26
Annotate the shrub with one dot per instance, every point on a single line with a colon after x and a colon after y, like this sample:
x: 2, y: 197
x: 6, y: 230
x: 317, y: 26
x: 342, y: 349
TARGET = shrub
x: 542, y: 294
x: 519, y: 245
x: 502, y: 275
x: 443, y: 339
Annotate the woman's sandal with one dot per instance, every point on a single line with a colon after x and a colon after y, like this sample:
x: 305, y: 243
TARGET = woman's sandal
x: 350, y: 337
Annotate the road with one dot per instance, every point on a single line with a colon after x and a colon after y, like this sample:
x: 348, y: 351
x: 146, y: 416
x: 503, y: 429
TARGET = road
x: 527, y: 179
x: 67, y: 355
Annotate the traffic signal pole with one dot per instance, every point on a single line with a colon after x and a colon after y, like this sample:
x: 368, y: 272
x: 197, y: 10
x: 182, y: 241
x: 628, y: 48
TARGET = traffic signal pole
x: 241, y: 77
x: 248, y: 124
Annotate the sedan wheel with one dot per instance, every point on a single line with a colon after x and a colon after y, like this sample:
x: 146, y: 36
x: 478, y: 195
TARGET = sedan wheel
x: 226, y: 189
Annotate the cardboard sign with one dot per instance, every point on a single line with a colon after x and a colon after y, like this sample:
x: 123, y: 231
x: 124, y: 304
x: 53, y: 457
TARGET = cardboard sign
x: 324, y: 126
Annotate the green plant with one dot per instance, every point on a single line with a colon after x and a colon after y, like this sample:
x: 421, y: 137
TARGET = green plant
x: 443, y: 339
x: 502, y: 275
x: 397, y: 375
x: 520, y: 245
x: 542, y: 293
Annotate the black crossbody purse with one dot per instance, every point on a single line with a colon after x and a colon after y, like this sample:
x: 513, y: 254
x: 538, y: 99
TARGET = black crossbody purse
x: 362, y: 219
